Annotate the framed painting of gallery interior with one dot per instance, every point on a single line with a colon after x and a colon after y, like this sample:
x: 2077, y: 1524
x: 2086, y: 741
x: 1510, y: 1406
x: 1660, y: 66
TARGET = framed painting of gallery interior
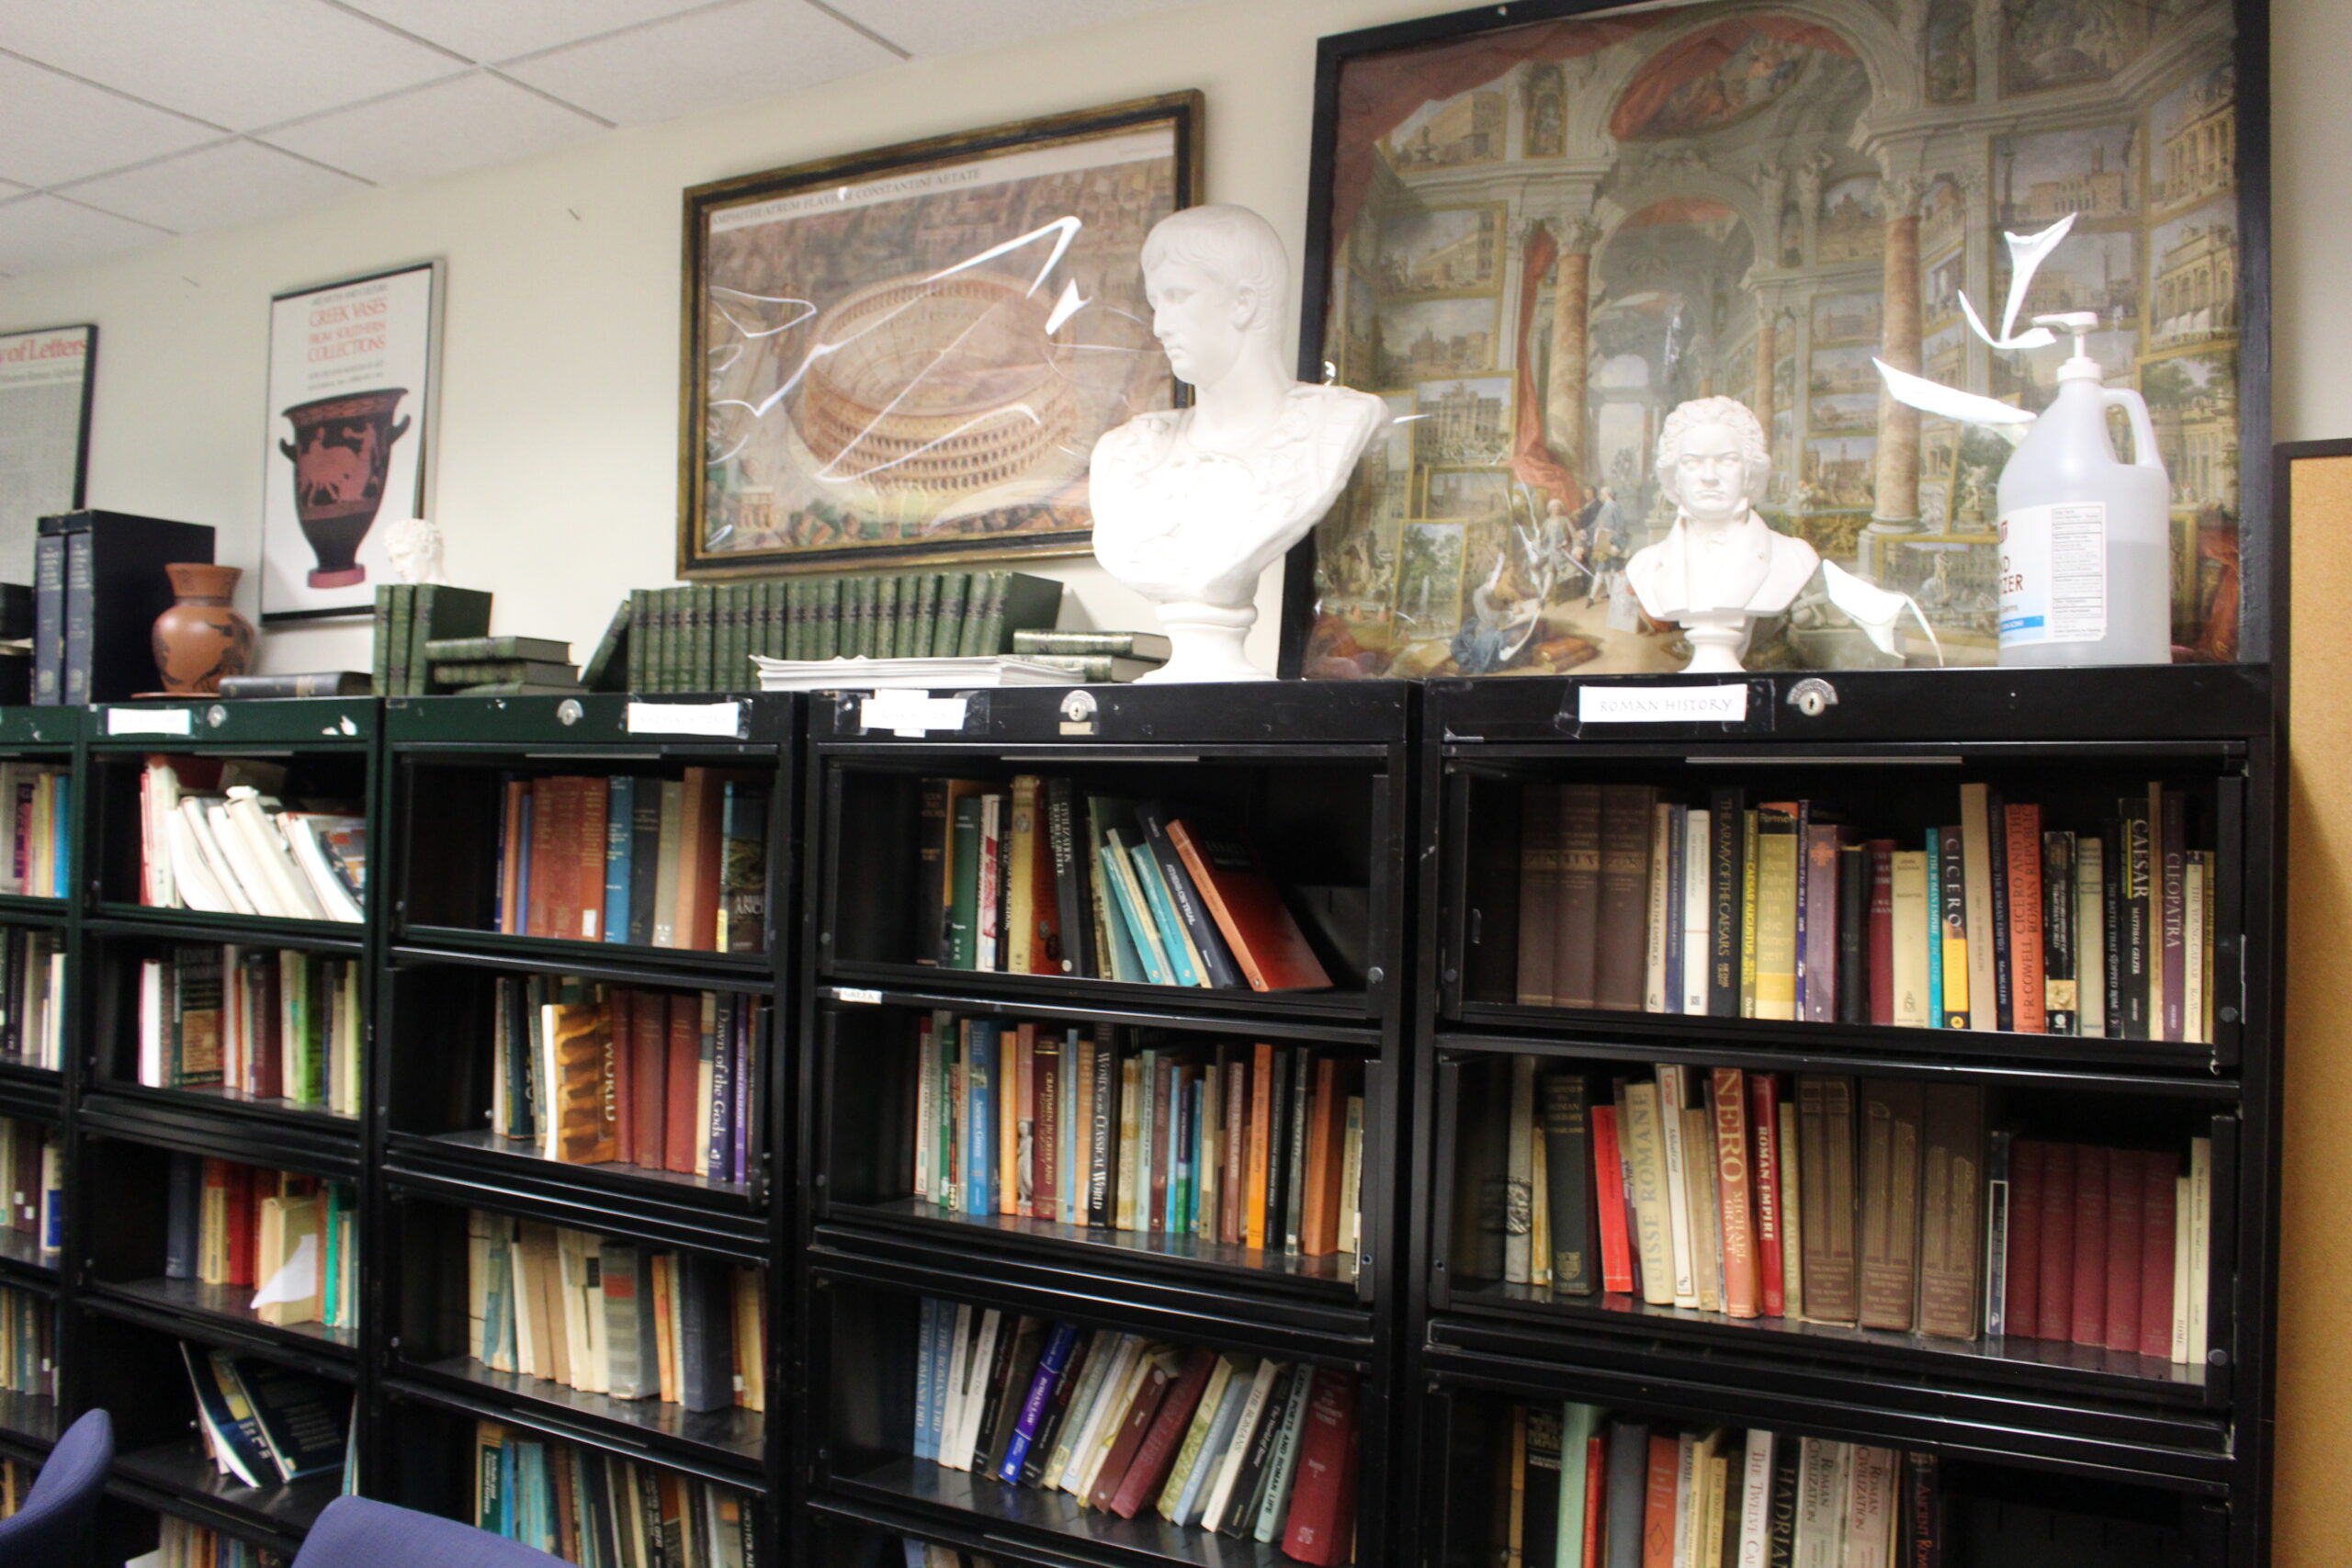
x: 1535, y: 229
x: 907, y: 354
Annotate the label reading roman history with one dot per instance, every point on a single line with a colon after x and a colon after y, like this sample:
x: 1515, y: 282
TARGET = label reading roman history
x: 2053, y: 573
x: 1725, y: 704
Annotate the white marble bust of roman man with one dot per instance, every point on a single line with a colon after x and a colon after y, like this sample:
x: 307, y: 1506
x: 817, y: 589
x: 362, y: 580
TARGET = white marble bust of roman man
x: 1720, y: 564
x: 1191, y: 505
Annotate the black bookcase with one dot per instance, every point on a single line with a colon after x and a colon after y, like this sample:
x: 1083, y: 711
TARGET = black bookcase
x: 1320, y: 781
x: 447, y: 762
x: 2049, y: 1452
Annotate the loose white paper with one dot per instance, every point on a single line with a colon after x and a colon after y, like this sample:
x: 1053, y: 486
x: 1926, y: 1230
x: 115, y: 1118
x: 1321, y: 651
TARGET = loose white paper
x: 298, y: 1282
x: 1725, y: 704
x: 722, y: 719
x: 910, y: 714
x: 151, y: 721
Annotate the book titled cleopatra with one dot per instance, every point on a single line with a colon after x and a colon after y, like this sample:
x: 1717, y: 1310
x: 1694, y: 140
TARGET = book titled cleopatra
x: 2005, y: 918
x: 1035, y: 876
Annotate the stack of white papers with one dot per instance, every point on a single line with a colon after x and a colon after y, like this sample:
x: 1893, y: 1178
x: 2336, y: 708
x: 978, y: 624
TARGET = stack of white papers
x: 879, y: 674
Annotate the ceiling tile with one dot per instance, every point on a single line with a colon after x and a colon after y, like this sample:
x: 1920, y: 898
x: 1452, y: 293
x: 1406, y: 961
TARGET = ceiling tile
x: 727, y: 54
x: 42, y: 231
x: 510, y: 28
x: 436, y: 130
x: 928, y: 27
x: 54, y: 128
x: 252, y: 63
x: 215, y: 187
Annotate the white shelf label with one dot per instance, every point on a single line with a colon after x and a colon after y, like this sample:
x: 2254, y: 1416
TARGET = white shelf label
x: 724, y: 720
x: 151, y: 721
x: 908, y: 712
x: 1663, y: 704
x: 853, y: 994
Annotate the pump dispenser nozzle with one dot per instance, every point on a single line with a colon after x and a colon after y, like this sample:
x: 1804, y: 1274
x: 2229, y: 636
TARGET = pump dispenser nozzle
x: 2079, y: 324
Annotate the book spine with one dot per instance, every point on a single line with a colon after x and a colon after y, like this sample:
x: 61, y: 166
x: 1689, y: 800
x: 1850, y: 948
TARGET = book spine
x: 1725, y: 857
x: 1728, y: 1099
x: 2176, y: 944
x: 1953, y: 932
x: 49, y: 619
x: 2059, y: 939
x: 81, y: 619
x: 1566, y: 1098
x: 2027, y: 999
x: 1764, y: 1124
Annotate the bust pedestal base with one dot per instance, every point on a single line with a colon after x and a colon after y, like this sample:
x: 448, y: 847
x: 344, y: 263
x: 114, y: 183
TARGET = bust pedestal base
x: 1717, y: 640
x: 1205, y: 643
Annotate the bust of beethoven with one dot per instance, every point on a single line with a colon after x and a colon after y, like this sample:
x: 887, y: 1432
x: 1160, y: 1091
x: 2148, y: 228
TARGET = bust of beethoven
x: 1191, y: 505
x: 1720, y: 564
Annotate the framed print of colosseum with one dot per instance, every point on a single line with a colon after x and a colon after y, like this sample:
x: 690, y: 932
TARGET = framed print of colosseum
x: 908, y: 354
x: 1535, y: 229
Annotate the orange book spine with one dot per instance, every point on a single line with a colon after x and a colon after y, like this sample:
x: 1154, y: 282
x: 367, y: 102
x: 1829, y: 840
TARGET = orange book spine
x: 1657, y: 1503
x: 1262, y: 1098
x: 511, y: 892
x: 1319, y: 1213
x: 697, y: 910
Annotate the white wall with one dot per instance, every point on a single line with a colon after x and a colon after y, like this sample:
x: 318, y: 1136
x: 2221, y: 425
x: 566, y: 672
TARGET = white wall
x: 558, y: 438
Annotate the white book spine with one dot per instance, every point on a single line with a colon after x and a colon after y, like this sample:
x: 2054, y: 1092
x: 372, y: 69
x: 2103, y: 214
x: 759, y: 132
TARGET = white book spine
x: 2201, y: 1247
x: 2184, y: 1205
x: 2090, y: 934
x: 952, y: 1397
x: 1671, y: 1099
x: 1756, y: 1501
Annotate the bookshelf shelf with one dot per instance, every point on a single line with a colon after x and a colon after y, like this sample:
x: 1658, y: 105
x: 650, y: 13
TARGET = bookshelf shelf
x: 31, y: 1093
x: 24, y: 1260
x: 616, y: 963
x: 28, y: 1419
x: 223, y: 1313
x: 258, y: 931
x: 446, y: 1406
x: 734, y: 1438
x: 658, y: 1205
x: 20, y: 909
x: 178, y: 1478
x: 281, y: 1137
x: 1115, y: 998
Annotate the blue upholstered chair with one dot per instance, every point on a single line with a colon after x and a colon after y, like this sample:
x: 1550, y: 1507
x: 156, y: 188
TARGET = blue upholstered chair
x: 355, y: 1532
x: 55, y: 1520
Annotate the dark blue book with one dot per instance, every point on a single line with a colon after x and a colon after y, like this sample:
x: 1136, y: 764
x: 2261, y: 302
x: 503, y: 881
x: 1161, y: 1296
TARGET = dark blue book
x: 183, y: 1216
x: 705, y: 1335
x: 305, y: 1422
x: 1152, y: 817
x: 519, y: 918
x: 644, y: 862
x: 620, y: 816
x: 718, y: 1137
x: 1050, y: 1367
x: 235, y: 1432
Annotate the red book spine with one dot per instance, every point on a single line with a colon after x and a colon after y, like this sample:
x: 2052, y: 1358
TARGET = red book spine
x: 2021, y: 1302
x: 1764, y: 1126
x: 1727, y: 1099
x: 1608, y: 1190
x: 649, y: 1072
x: 703, y: 843
x: 2090, y: 1245
x: 539, y: 918
x: 2126, y: 1231
x: 1149, y: 1471
x: 240, y: 1213
x: 1133, y: 1428
x: 2057, y: 1315
x: 1596, y: 1494
x: 619, y: 1028
x: 1659, y: 1508
x: 683, y: 1071
x: 1320, y: 1528
x: 2028, y: 1001
x: 1881, y: 931
x: 583, y: 913
x: 2159, y: 1212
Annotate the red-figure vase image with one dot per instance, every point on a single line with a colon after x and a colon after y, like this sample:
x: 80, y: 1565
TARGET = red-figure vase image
x: 341, y: 448
x: 201, y: 637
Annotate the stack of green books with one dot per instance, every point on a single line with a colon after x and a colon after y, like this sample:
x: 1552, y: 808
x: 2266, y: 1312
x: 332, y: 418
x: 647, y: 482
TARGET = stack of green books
x: 1096, y: 657
x: 501, y: 667
x: 410, y: 615
x: 702, y: 637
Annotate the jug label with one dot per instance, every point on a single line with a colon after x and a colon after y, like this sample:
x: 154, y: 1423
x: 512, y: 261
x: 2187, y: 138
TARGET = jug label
x: 2053, y: 573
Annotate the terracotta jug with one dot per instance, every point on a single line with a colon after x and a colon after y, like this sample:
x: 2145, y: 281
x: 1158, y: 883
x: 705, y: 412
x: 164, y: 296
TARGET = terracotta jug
x: 201, y: 637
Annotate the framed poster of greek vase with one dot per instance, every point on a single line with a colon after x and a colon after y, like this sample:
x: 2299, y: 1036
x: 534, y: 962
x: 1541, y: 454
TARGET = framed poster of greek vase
x: 1537, y: 228
x: 351, y: 397
x: 907, y: 354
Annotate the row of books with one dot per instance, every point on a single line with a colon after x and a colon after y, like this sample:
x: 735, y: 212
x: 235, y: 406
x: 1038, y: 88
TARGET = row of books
x: 274, y: 1023
x: 36, y: 799
x: 412, y: 615
x: 599, y: 1510
x: 1247, y: 1145
x: 590, y: 1074
x: 1781, y: 909
x: 1041, y: 878
x: 291, y: 1239
x: 216, y: 838
x: 32, y: 997
x: 1254, y: 1449
x: 28, y: 1343
x: 179, y: 1544
x: 1576, y: 1487
x: 614, y: 1318
x: 701, y: 638
x: 656, y: 862
x: 1881, y: 1203
x: 32, y: 1176
x: 266, y: 1424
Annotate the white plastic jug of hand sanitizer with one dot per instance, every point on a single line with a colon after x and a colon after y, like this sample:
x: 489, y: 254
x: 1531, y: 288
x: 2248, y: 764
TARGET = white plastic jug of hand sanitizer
x: 2085, y: 546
